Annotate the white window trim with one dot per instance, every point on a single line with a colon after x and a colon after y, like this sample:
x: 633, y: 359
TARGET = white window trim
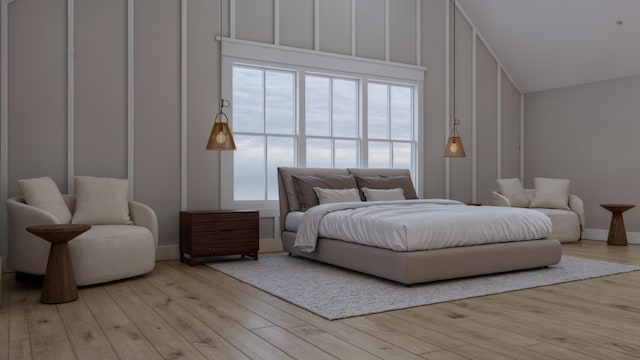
x: 266, y: 55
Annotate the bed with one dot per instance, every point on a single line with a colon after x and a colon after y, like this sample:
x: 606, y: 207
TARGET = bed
x: 406, y: 267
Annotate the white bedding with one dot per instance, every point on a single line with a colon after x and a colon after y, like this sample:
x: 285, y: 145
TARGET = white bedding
x: 412, y: 225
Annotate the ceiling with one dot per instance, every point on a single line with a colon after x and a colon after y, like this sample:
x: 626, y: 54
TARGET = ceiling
x: 549, y: 44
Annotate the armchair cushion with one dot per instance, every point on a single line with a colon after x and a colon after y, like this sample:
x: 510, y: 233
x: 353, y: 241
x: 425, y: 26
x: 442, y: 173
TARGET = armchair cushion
x: 43, y: 194
x: 101, y: 201
x: 513, y: 190
x: 551, y: 194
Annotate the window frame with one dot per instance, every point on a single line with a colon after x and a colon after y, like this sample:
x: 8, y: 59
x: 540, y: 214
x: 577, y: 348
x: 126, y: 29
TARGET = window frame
x: 246, y: 53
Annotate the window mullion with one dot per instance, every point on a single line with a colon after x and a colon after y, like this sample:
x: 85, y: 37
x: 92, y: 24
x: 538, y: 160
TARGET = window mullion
x: 266, y: 138
x: 364, y: 121
x: 331, y: 121
x: 301, y: 138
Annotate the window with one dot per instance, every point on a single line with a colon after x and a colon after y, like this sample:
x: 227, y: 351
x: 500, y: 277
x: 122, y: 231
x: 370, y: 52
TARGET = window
x: 264, y: 124
x: 297, y: 108
x: 331, y: 121
x: 390, y: 126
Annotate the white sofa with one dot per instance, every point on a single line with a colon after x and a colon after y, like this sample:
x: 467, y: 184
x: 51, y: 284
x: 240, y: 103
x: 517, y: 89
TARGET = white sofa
x: 102, y: 254
x: 567, y: 224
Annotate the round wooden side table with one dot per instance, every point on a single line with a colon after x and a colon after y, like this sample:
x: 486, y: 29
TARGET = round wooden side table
x: 617, y: 233
x: 59, y: 280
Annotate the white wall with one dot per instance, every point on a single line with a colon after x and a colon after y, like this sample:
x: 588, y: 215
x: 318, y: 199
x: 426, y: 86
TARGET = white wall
x: 131, y: 91
x: 588, y: 134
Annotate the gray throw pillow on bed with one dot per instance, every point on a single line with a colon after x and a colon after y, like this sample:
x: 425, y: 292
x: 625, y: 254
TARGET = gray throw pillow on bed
x: 305, y: 184
x: 388, y: 182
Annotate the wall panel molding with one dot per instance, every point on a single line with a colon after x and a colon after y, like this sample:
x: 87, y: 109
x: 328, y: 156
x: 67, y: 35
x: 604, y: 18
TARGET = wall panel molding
x: 387, y: 30
x: 70, y: 96
x: 474, y: 116
x: 183, y: 105
x: 353, y: 28
x: 418, y: 32
x: 316, y: 25
x: 4, y: 115
x: 447, y: 93
x: 130, y: 97
x: 522, y: 138
x: 232, y: 19
x: 499, y: 121
x: 276, y: 22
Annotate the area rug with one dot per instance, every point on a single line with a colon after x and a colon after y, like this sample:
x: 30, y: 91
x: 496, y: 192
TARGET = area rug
x: 336, y: 293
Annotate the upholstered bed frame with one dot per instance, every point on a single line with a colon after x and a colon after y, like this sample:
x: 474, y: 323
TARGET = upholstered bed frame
x: 414, y: 266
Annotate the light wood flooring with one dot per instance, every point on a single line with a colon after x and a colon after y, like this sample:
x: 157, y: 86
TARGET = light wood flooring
x: 182, y: 312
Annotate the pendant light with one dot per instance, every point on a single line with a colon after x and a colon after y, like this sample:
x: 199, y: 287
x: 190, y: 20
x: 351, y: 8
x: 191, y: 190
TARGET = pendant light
x: 221, y: 137
x: 454, y: 146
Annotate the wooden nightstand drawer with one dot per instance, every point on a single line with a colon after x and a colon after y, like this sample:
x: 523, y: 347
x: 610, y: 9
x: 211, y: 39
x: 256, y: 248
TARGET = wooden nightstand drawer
x: 217, y: 233
x: 223, y: 226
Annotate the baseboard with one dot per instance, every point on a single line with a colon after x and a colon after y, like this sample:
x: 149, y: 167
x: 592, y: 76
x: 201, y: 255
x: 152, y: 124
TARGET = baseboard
x: 172, y: 251
x: 601, y: 235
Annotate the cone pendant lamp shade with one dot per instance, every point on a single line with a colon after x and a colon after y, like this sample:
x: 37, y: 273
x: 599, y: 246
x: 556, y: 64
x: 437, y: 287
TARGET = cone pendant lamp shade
x: 454, y: 146
x: 221, y: 137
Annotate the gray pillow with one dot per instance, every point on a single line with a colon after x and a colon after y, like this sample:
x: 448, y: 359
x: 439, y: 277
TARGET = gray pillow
x: 388, y: 182
x: 305, y: 184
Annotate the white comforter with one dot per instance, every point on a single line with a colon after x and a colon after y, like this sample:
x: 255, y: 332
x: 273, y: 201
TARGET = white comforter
x: 419, y: 224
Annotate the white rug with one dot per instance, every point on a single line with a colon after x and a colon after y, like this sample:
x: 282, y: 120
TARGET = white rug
x: 335, y: 293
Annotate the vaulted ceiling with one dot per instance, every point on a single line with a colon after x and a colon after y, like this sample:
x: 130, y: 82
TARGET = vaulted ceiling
x: 548, y: 44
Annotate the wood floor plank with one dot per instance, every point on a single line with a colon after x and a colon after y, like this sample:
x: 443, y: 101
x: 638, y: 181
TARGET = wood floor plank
x: 5, y: 302
x: 558, y: 352
x: 87, y: 339
x: 547, y: 330
x: 23, y: 297
x: 606, y: 337
x: 208, y: 342
x: 481, y: 353
x: 476, y: 337
x: 159, y: 333
x: 180, y: 290
x: 419, y: 331
x: 378, y: 347
x: 227, y: 306
x: 269, y: 312
x: 126, y: 338
x: 49, y: 340
x: 444, y: 355
x: 291, y: 344
x: 388, y: 333
x: 337, y: 347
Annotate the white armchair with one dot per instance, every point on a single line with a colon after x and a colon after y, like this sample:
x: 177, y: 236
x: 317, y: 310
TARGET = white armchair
x: 104, y: 253
x: 567, y: 224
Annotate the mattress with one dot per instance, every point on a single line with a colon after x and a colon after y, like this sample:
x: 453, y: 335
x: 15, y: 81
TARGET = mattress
x: 419, y: 224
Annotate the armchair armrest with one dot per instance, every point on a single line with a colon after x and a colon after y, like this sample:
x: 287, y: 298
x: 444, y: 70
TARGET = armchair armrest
x: 577, y: 205
x: 143, y: 215
x: 499, y: 200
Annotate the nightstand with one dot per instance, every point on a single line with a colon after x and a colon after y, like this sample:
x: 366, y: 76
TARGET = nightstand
x: 1, y: 281
x: 218, y: 232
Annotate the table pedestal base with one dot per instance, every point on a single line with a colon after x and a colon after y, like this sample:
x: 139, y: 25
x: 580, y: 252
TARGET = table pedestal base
x: 617, y: 232
x: 59, y: 284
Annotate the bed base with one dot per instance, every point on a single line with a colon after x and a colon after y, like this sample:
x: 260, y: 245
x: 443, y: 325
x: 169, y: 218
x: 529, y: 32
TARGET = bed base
x: 423, y: 266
